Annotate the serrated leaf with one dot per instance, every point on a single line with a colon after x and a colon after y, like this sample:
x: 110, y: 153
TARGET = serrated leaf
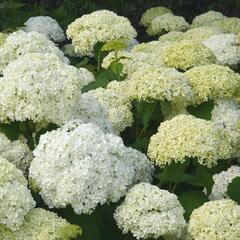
x: 234, y: 190
x: 191, y: 200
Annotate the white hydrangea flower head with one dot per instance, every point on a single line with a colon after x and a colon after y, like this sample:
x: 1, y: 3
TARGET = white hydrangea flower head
x: 186, y: 54
x: 86, y: 76
x: 90, y: 110
x: 185, y: 136
x: 201, y: 33
x: 225, y: 47
x: 221, y: 182
x: 150, y: 212
x: 40, y: 87
x: 212, y: 82
x: 227, y: 114
x: 41, y: 224
x: 118, y: 107
x: 120, y: 87
x: 45, y: 25
x: 172, y: 36
x: 157, y: 83
x: 19, y: 43
x: 15, y: 198
x: 152, y: 13
x: 99, y: 26
x: 86, y: 167
x: 166, y: 23
x: 206, y: 19
x: 16, y: 152
x: 218, y: 220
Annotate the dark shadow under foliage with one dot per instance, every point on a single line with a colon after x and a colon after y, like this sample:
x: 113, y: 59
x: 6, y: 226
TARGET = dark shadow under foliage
x: 13, y: 13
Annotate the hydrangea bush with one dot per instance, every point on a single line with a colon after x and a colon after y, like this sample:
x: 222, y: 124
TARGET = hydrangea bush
x: 103, y: 136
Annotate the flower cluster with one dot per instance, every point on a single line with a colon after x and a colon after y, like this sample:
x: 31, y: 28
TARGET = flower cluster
x: 166, y: 23
x: 45, y: 25
x: 186, y: 54
x: 90, y: 110
x: 16, y: 152
x: 152, y: 13
x: 207, y: 18
x: 15, y: 199
x: 212, y: 82
x: 185, y: 136
x: 148, y: 211
x: 152, y: 82
x: 227, y: 114
x: 218, y: 219
x: 86, y: 167
x: 221, y: 182
x: 225, y: 47
x: 118, y: 107
x: 100, y: 26
x: 42, y: 224
x: 39, y: 87
x: 19, y: 43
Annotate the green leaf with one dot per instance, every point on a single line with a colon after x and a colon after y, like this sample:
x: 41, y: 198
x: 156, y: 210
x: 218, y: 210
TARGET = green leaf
x: 234, y: 190
x: 103, y: 77
x: 203, y: 110
x: 11, y: 130
x: 117, y: 68
x: 83, y: 63
x: 203, y: 178
x: 191, y: 200
x: 174, y: 173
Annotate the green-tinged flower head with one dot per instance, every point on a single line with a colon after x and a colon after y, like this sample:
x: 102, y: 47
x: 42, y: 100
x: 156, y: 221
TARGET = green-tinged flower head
x: 154, y: 83
x: 3, y: 37
x: 201, y: 33
x: 45, y: 225
x: 172, y: 36
x: 229, y: 24
x: 212, y: 82
x: 151, y: 13
x: 215, y: 220
x: 6, y: 234
x: 15, y: 199
x: 185, y: 136
x: 186, y: 54
x: 166, y: 23
x: 206, y: 19
x: 151, y: 47
x: 9, y: 173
